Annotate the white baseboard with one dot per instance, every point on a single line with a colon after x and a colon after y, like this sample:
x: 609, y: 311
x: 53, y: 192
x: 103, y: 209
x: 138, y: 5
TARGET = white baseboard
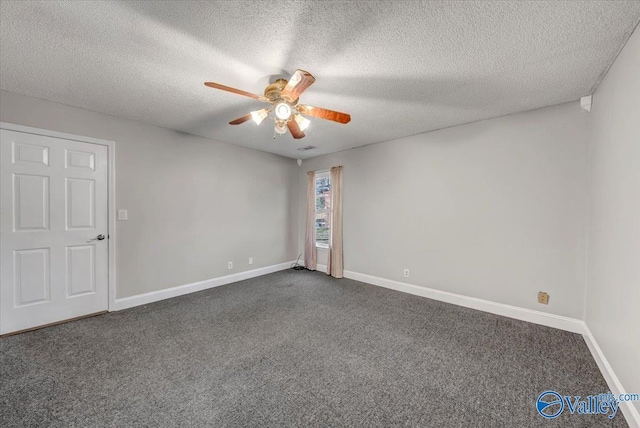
x: 628, y: 409
x: 550, y: 320
x: 154, y: 296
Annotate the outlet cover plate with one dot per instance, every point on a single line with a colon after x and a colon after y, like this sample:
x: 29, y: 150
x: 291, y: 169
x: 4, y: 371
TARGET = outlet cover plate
x: 543, y: 298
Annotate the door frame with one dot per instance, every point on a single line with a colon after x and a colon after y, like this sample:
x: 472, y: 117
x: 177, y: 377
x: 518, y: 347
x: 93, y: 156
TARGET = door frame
x: 111, y: 194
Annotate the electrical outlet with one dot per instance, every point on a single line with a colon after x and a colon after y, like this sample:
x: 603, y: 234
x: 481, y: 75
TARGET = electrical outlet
x: 543, y: 298
x: 250, y: 260
x: 406, y: 273
x: 230, y: 265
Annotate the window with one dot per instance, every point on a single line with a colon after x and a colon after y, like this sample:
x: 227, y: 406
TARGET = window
x: 323, y: 209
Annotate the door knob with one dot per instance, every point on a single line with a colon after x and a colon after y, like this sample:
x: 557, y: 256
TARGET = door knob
x: 99, y: 238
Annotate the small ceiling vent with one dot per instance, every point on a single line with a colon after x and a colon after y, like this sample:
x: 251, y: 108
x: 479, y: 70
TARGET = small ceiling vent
x: 304, y: 149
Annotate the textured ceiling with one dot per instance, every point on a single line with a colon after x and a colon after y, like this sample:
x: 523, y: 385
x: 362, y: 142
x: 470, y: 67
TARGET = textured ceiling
x: 398, y: 67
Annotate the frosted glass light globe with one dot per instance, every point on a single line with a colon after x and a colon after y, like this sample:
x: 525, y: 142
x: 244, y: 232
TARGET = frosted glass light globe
x: 281, y: 128
x: 283, y: 111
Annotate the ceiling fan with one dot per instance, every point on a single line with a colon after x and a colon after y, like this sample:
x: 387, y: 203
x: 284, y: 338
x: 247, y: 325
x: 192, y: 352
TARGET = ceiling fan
x: 285, y: 111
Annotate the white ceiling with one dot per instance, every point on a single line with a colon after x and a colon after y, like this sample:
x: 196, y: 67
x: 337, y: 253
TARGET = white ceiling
x: 398, y: 67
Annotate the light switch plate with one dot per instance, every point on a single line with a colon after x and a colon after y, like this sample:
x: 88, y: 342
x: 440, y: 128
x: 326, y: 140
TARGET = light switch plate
x: 123, y: 215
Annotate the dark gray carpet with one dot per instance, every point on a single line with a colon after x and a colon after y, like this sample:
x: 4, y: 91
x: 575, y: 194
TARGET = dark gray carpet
x: 294, y: 349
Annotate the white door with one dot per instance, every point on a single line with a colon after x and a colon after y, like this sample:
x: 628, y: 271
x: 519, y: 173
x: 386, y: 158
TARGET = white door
x: 53, y: 206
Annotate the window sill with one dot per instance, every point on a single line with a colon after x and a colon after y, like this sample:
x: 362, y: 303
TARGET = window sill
x: 323, y: 246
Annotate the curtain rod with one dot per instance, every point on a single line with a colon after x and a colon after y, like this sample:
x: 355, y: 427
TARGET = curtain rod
x: 325, y: 170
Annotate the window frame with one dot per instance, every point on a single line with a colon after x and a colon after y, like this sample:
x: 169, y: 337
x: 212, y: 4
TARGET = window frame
x: 316, y: 176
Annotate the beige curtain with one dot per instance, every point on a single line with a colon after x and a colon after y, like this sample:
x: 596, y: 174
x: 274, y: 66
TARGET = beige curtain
x: 334, y: 261
x: 310, y: 252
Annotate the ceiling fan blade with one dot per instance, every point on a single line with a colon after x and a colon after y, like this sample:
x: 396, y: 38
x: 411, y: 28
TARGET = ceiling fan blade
x: 324, y: 113
x: 241, y: 119
x: 295, y: 130
x: 298, y: 83
x: 235, y: 91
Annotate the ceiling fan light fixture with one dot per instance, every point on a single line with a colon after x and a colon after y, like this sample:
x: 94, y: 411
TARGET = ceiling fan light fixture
x: 283, y: 111
x: 281, y: 127
x: 302, y: 121
x: 259, y: 115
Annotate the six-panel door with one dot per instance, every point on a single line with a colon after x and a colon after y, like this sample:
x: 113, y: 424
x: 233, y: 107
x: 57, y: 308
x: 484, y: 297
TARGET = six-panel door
x: 54, y: 205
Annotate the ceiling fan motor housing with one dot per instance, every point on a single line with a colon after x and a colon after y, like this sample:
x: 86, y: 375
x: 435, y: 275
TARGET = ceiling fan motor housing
x: 273, y: 91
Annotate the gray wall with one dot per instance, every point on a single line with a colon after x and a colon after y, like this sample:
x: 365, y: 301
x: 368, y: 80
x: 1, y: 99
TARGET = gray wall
x: 493, y: 209
x: 193, y: 203
x: 613, y: 286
